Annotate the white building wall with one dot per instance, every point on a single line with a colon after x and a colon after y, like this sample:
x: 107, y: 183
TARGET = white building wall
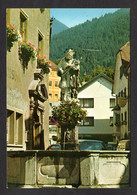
x: 100, y: 90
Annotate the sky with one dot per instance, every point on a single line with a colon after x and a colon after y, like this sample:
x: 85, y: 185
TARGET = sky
x: 74, y: 16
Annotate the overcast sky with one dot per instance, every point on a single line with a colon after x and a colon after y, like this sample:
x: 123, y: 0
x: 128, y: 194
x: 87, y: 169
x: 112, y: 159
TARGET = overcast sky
x: 75, y: 16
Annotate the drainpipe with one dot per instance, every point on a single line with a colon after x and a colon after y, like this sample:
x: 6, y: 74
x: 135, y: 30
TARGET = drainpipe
x: 31, y: 123
x: 51, y: 22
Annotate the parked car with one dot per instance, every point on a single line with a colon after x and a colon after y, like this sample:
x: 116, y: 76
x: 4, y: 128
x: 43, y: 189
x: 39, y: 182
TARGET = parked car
x: 111, y: 146
x: 54, y: 147
x: 123, y: 145
x: 91, y: 145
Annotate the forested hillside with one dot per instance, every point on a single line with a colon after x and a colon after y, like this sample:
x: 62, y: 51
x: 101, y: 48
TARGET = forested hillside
x: 58, y: 27
x: 107, y: 34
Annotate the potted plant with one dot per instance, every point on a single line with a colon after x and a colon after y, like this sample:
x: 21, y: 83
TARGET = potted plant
x: 12, y: 36
x: 44, y: 64
x: 27, y: 52
x: 69, y: 114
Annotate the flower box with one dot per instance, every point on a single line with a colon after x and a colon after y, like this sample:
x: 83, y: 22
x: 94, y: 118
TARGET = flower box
x: 27, y: 52
x: 12, y: 36
x: 44, y: 64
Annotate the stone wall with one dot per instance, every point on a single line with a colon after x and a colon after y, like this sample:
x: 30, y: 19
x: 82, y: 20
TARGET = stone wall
x: 83, y: 169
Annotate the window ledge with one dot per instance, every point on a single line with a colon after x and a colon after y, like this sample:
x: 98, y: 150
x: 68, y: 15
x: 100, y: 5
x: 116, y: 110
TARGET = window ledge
x: 13, y: 145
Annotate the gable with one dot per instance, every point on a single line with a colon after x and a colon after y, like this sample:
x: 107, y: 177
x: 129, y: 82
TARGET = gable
x: 100, y: 87
x: 101, y: 75
x: 121, y: 67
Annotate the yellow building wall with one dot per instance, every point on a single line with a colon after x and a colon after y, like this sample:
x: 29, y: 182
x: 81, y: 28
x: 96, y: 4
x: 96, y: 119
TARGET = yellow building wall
x: 53, y: 89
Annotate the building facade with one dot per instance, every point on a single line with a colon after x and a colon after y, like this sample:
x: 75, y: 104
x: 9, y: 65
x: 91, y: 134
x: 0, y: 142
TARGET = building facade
x: 54, y: 100
x: 54, y: 90
x: 95, y: 96
x: 121, y: 88
x: 27, y: 84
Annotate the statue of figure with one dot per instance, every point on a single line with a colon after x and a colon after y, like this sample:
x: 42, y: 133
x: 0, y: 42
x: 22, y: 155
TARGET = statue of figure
x: 67, y: 136
x: 68, y: 70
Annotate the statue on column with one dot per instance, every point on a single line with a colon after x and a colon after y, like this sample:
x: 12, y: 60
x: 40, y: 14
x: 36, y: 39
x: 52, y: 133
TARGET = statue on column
x: 68, y: 70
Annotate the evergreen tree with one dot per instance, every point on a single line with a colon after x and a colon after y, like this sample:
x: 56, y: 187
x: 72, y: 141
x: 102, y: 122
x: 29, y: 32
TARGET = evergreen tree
x: 108, y: 34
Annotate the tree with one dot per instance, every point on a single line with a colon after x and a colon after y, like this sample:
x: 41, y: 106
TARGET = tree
x: 108, y: 34
x: 109, y: 71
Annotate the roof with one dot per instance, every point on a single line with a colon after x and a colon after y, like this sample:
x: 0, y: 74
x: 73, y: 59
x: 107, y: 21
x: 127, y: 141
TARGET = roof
x: 125, y: 52
x: 94, y: 79
x: 54, y: 66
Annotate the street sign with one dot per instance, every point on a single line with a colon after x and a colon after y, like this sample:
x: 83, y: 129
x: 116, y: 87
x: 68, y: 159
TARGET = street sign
x: 53, y: 121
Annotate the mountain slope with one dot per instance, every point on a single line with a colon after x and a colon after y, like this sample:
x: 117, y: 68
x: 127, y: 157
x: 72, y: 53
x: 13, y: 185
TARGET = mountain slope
x: 58, y: 27
x: 108, y: 34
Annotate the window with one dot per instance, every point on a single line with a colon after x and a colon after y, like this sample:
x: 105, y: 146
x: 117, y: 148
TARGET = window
x: 10, y: 127
x: 89, y: 121
x: 125, y: 116
x: 125, y: 92
x: 56, y: 84
x: 14, y: 128
x: 8, y: 16
x: 87, y: 103
x: 121, y: 117
x: 121, y: 93
x: 112, y: 102
x: 19, y: 123
x: 117, y: 119
x: 50, y: 83
x: 111, y: 121
x: 56, y: 96
x: 40, y: 44
x: 50, y: 95
x: 55, y: 74
x: 124, y: 122
x: 23, y: 25
x: 121, y: 71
